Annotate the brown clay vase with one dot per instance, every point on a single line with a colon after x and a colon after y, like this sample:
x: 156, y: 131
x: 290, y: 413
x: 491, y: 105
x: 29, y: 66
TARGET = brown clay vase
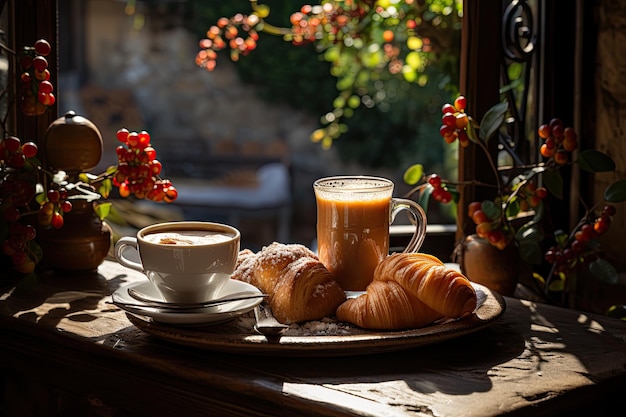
x: 80, y: 245
x: 483, y: 263
x: 73, y: 144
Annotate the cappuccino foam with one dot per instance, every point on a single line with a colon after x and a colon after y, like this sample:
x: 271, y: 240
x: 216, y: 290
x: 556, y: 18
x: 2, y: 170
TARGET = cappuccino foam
x: 187, y: 237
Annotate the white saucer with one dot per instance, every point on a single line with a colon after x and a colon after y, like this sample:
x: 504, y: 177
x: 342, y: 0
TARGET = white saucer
x: 202, y: 316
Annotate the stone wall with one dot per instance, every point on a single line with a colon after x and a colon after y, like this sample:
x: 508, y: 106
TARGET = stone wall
x: 146, y: 79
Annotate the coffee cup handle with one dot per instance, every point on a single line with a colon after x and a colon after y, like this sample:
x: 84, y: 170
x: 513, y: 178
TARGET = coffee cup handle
x: 123, y: 243
x: 400, y: 204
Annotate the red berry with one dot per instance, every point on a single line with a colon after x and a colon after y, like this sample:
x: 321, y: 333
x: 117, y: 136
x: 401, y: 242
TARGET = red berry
x: 609, y: 210
x: 556, y: 122
x: 544, y: 131
x: 446, y: 130
x: 438, y: 193
x: 16, y: 160
x: 28, y: 232
x: 435, y: 180
x: 483, y: 229
x: 29, y: 149
x: 561, y: 157
x: 45, y: 87
x: 461, y: 120
x: 472, y: 207
x: 578, y: 246
x: 446, y: 197
x: 53, y: 196
x: 460, y: 103
x: 150, y: 152
x: 541, y: 192
x: 602, y: 224
x: 122, y: 135
x: 558, y: 131
x: 133, y: 139
x: 40, y: 63
x: 448, y: 108
x: 12, y: 144
x: 42, y: 47
x: 449, y: 119
x: 479, y: 217
x: 144, y: 139
x: 170, y: 194
x: 587, y: 232
x: 57, y: 220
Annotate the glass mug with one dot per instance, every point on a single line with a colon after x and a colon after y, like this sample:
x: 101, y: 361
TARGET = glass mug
x: 353, y: 218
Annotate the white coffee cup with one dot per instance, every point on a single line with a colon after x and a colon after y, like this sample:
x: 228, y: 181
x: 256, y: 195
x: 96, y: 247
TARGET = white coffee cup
x: 186, y: 261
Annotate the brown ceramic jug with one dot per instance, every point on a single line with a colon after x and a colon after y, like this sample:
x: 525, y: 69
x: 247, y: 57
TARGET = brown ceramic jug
x: 73, y: 144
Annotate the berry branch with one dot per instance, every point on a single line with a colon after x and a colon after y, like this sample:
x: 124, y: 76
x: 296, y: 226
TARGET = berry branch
x: 32, y: 197
x: 517, y: 194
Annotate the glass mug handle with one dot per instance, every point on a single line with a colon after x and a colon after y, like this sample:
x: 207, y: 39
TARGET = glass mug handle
x: 120, y: 245
x: 399, y: 204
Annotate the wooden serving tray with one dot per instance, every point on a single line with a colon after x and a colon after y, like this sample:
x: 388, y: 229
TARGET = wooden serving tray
x: 237, y: 336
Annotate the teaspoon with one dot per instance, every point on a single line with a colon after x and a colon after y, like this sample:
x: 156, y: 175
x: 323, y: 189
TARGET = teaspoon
x: 266, y: 323
x: 150, y: 302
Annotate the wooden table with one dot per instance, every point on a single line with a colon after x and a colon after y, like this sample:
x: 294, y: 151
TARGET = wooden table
x: 65, y: 352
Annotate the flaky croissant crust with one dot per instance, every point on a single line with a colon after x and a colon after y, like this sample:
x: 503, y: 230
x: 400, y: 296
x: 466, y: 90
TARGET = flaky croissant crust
x: 423, y: 281
x: 299, y: 286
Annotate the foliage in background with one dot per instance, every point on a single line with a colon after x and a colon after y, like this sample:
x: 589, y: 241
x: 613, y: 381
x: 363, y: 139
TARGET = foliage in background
x: 371, y: 90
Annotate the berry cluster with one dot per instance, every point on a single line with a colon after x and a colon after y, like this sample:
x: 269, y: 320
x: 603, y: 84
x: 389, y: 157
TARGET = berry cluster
x: 574, y: 253
x: 138, y: 169
x: 489, y: 217
x: 309, y: 24
x: 489, y: 227
x: 36, y: 90
x: 440, y: 191
x: 455, y: 122
x: 19, y: 247
x: 559, y: 141
x: 237, y: 33
x: 18, y: 165
x: 14, y: 154
x: 52, y: 208
x: 529, y: 196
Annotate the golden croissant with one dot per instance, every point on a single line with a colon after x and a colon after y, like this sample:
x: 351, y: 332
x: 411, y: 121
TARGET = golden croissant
x: 410, y: 283
x: 299, y: 286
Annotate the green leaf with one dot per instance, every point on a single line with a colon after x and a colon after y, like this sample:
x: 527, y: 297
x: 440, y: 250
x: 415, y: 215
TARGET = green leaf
x: 111, y: 170
x: 530, y: 232
x: 492, y: 120
x: 616, y: 192
x: 539, y: 278
x: 105, y: 188
x: 595, y: 161
x: 102, y: 210
x: 492, y: 210
x: 617, y: 311
x: 560, y: 237
x: 557, y: 285
x: 530, y: 251
x: 471, y: 130
x: 413, y: 174
x: 554, y: 183
x: 424, y: 197
x: 604, y: 271
x: 513, y: 208
x: 456, y: 195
